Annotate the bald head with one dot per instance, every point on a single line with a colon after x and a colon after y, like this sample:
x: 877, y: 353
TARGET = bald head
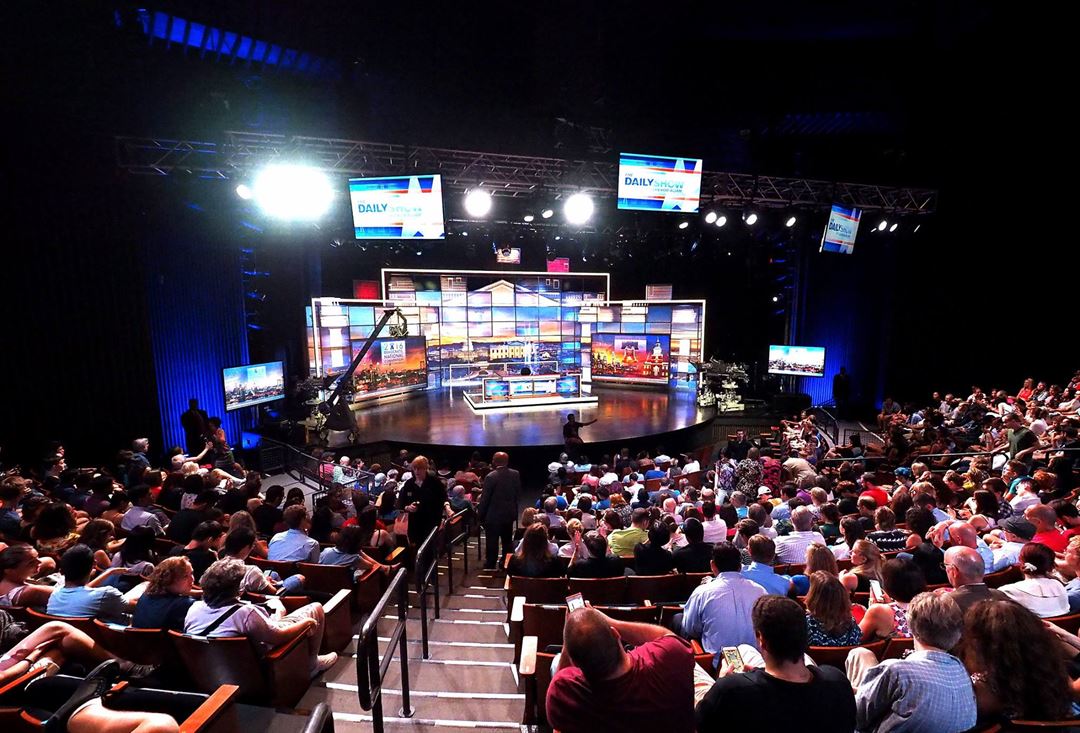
x: 1042, y: 516
x: 593, y: 645
x: 962, y: 533
x: 802, y: 519
x: 500, y: 459
x: 966, y: 566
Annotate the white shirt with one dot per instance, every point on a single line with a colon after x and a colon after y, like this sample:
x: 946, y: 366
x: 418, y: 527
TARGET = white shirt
x: 715, y: 529
x: 841, y: 551
x: 792, y: 548
x: 691, y: 467
x: 1006, y: 554
x: 1045, y: 597
x: 1019, y: 503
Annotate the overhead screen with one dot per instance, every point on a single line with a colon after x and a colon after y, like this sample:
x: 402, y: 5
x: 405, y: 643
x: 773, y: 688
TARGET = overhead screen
x: 398, y: 207
x: 800, y: 361
x: 840, y: 232
x: 253, y: 384
x: 657, y: 183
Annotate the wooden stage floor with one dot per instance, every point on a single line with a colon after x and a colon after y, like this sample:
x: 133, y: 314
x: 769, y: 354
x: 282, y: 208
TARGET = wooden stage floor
x: 443, y: 418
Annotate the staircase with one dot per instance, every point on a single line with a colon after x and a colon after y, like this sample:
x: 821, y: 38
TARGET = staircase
x: 468, y: 682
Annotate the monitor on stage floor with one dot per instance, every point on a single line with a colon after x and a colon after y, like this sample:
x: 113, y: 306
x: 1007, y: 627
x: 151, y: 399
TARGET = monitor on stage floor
x: 631, y: 357
x: 253, y: 384
x: 799, y: 361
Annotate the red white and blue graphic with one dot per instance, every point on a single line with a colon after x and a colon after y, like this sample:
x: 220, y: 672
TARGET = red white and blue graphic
x: 398, y: 207
x: 656, y: 183
x: 840, y: 232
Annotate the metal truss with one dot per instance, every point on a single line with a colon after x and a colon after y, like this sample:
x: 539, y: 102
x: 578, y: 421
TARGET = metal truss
x: 238, y: 154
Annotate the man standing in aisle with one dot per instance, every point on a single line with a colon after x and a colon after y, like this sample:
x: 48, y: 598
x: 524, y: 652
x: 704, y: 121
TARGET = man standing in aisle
x: 499, y: 507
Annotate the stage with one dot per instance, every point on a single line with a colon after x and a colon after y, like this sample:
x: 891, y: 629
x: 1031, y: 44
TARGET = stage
x: 443, y: 418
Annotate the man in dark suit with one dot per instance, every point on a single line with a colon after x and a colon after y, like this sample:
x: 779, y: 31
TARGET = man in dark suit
x: 498, y: 508
x: 196, y: 424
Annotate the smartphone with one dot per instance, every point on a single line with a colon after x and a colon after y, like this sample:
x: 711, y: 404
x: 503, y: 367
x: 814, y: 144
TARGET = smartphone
x: 876, y: 596
x: 734, y: 658
x: 575, y: 602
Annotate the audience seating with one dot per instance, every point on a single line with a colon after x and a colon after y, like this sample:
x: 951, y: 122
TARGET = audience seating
x: 36, y: 618
x: 284, y: 569
x: 545, y: 621
x: 141, y: 646
x: 705, y: 660
x: 600, y: 591
x: 1011, y: 574
x: 835, y: 656
x: 534, y: 590
x: 366, y: 590
x: 534, y: 671
x: 1070, y: 623
x: 897, y: 647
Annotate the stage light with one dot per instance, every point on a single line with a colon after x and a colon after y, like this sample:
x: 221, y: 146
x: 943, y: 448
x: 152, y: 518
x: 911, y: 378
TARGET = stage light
x: 790, y: 222
x: 683, y: 224
x: 721, y: 220
x: 244, y: 191
x: 916, y: 228
x: 528, y: 218
x: 578, y: 209
x: 292, y: 192
x: 750, y: 219
x: 892, y: 228
x: 478, y: 203
x: 882, y: 225
x: 710, y: 217
x: 776, y: 299
x: 547, y: 213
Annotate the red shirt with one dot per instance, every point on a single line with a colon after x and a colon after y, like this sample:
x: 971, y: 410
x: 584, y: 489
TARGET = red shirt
x: 657, y: 694
x: 878, y: 495
x: 1053, y: 539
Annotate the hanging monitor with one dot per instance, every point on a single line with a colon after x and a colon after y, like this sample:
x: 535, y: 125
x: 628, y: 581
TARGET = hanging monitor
x: 253, y: 384
x: 799, y: 361
x: 397, y: 207
x: 657, y: 183
x: 839, y: 234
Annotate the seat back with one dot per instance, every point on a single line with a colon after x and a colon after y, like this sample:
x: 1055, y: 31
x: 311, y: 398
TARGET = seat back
x: 657, y: 589
x: 284, y: 569
x: 537, y: 590
x: 325, y: 578
x: 600, y: 591
x: 1070, y: 623
x: 633, y: 614
x: 694, y: 477
x: 692, y: 581
x: 897, y: 647
x: 545, y: 622
x: 1011, y: 574
x: 543, y: 682
x: 215, y: 662
x: 37, y: 618
x: 141, y: 646
x: 652, y: 484
x: 835, y: 656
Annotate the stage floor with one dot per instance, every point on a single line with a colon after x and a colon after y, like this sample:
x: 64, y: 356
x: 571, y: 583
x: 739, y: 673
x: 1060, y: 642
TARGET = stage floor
x: 443, y: 418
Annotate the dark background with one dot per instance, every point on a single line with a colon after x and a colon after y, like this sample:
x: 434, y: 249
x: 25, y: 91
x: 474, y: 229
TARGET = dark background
x: 958, y: 96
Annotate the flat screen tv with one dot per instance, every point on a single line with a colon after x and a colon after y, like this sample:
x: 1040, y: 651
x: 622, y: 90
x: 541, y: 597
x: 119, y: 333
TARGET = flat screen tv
x: 253, y: 384
x: 631, y: 357
x: 392, y: 364
x: 397, y: 207
x: 799, y: 361
x: 659, y: 183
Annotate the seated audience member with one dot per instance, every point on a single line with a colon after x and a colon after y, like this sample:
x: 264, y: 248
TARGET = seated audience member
x: 762, y: 554
x: 696, y: 554
x: 118, y: 507
x: 965, y: 568
x: 901, y: 580
x: 828, y: 613
x: 718, y: 612
x: 598, y: 563
x: 830, y: 521
x: 135, y: 558
x: 371, y: 536
x: 202, y: 550
x: 818, y: 557
x: 183, y: 525
x: 167, y: 598
x: 55, y: 529
x: 623, y: 541
x: 99, y: 535
x: 651, y: 558
x: 599, y: 682
x: 294, y: 545
x: 224, y: 615
x: 268, y: 515
x: 245, y: 520
x: 349, y: 551
x: 84, y: 598
x: 851, y: 531
x: 866, y: 509
x: 1045, y: 520
x: 744, y: 530
x: 1039, y: 592
x: 1015, y: 664
x: 865, y: 566
x: 1007, y: 542
x: 239, y: 545
x: 1072, y: 561
x: 792, y: 547
x: 551, y: 506
x: 19, y: 564
x: 779, y: 673
x: 929, y: 690
x: 534, y: 558
x: 576, y: 530
x: 886, y: 536
x: 140, y: 514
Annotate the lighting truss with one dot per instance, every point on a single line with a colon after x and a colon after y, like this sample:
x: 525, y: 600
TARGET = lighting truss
x: 238, y: 154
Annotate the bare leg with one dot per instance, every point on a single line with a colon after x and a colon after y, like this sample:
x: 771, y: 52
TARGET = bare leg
x: 96, y: 718
x: 314, y: 640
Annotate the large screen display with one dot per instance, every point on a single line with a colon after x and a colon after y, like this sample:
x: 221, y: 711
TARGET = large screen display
x: 637, y: 358
x: 840, y: 232
x: 656, y: 183
x: 800, y: 361
x: 399, y: 207
x: 391, y: 364
x: 253, y: 384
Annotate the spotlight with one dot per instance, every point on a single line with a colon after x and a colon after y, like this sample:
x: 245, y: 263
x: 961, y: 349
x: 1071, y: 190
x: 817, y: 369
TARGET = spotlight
x: 292, y: 192
x: 892, y: 227
x: 528, y: 218
x: 917, y: 227
x: 478, y: 203
x: 790, y: 222
x: 578, y: 209
x: 710, y: 217
x: 683, y: 224
x: 882, y: 225
x: 547, y: 213
x: 750, y: 219
x: 776, y: 299
x: 721, y: 220
x: 244, y: 191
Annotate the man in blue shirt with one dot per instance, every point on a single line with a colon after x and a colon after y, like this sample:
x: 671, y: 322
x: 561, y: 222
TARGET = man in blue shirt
x: 294, y: 545
x: 82, y: 599
x: 762, y: 553
x: 718, y: 613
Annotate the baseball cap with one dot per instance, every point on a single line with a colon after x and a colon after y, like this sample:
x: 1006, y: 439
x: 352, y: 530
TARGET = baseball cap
x: 763, y: 490
x: 903, y: 472
x: 1019, y: 526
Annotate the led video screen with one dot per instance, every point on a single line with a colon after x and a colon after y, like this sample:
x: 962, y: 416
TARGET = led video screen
x: 398, y: 207
x: 799, y: 361
x: 656, y: 183
x: 253, y: 384
x: 630, y: 357
x: 391, y: 365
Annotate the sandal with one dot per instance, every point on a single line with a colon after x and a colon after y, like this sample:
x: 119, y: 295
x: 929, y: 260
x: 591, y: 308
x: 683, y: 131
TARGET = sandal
x: 96, y: 684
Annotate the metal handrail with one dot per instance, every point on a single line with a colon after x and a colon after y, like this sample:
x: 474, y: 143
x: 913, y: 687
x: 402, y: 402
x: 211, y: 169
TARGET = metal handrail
x: 461, y: 517
x: 370, y: 669
x: 427, y: 564
x: 295, y: 466
x: 321, y: 720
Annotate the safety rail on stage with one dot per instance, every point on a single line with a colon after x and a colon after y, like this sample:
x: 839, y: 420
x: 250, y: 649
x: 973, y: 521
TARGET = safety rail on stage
x: 456, y: 530
x: 370, y: 669
x: 306, y: 468
x: 426, y: 568
x: 827, y: 423
x: 875, y: 460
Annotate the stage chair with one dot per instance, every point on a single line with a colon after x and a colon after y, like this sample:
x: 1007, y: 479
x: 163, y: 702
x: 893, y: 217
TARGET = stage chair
x: 284, y: 569
x: 658, y: 589
x: 534, y: 672
x: 600, y: 591
x: 1070, y: 623
x: 897, y: 646
x: 835, y: 656
x: 1011, y: 574
x: 278, y: 680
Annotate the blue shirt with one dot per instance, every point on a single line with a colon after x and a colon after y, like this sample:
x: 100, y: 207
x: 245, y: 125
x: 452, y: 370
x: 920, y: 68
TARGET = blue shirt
x: 766, y: 577
x: 1072, y: 588
x: 718, y: 613
x: 105, y: 603
x: 654, y: 473
x: 334, y: 556
x: 926, y: 691
x: 293, y: 546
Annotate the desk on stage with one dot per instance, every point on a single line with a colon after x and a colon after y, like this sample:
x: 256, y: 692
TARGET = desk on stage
x: 534, y: 390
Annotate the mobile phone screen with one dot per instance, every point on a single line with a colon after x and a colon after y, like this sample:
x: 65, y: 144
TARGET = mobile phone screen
x: 875, y: 591
x: 575, y: 602
x: 734, y: 658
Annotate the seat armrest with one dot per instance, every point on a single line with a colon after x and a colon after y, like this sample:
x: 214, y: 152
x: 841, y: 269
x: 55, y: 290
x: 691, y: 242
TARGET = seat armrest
x: 211, y: 711
x: 527, y: 665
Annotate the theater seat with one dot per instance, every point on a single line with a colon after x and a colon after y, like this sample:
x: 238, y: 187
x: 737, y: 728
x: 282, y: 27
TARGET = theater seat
x: 534, y: 671
x: 835, y: 656
x: 141, y: 646
x: 329, y: 579
x: 600, y: 591
x: 1070, y: 623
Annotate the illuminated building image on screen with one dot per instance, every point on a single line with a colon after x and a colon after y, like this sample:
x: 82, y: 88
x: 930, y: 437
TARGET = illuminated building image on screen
x: 800, y: 361
x: 642, y: 358
x: 253, y: 384
x: 390, y: 365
